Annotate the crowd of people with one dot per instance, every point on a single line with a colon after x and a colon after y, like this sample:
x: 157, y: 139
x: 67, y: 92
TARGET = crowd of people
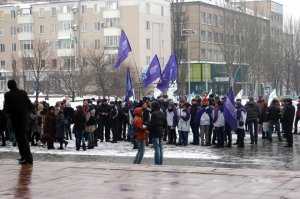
x: 148, y: 122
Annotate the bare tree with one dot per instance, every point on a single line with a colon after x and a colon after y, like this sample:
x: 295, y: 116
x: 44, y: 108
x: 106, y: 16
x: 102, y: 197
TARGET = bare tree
x: 36, y: 61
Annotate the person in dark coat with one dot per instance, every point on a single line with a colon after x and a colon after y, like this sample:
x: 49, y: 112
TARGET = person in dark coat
x: 157, y: 125
x: 50, y: 128
x: 114, y: 121
x: 273, y: 115
x: 252, y: 119
x: 288, y: 117
x: 68, y: 116
x: 60, y: 130
x: 79, y: 128
x: 102, y: 115
x: 17, y: 106
x: 193, y: 123
x: 3, y: 128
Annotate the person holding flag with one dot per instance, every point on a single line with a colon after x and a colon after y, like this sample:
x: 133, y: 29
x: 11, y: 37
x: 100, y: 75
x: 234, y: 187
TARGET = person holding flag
x: 230, y: 116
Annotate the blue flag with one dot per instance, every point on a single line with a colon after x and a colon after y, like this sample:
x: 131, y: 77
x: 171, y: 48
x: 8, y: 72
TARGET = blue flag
x: 129, y: 86
x: 153, y: 72
x: 124, y: 49
x: 230, y: 110
x: 169, y: 74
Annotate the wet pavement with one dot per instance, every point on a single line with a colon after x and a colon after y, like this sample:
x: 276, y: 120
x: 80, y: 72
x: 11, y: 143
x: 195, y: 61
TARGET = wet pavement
x: 106, y: 180
x: 263, y: 156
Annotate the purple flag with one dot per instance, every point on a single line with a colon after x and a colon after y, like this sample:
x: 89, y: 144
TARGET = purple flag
x: 129, y: 86
x: 169, y: 74
x: 124, y: 49
x: 230, y: 110
x: 153, y: 72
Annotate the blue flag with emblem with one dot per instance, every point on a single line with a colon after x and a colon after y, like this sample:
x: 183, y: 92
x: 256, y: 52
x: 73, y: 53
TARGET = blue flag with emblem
x: 153, y: 72
x: 169, y: 74
x: 124, y: 49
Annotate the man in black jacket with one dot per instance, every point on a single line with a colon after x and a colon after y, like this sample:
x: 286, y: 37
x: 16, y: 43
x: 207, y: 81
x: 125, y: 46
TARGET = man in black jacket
x: 288, y: 117
x: 158, y: 125
x: 252, y: 119
x: 17, y: 107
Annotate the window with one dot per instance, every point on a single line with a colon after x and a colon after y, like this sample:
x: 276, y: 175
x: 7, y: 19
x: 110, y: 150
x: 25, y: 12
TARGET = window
x: 14, y: 47
x: 83, y: 9
x: 147, y: 25
x: 97, y: 44
x: 210, y: 54
x: 216, y: 37
x: 84, y: 27
x: 112, y: 22
x: 215, y: 20
x: 221, y: 37
x: 209, y: 19
x: 96, y: 8
x: 2, y: 47
x: 209, y: 37
x: 65, y: 44
x: 148, y: 46
x: 1, y: 32
x: 14, y: 64
x: 26, y: 27
x: 221, y: 21
x: 162, y: 11
x: 53, y: 27
x: 148, y: 60
x: 65, y: 26
x: 97, y: 26
x: 26, y: 45
x: 111, y: 41
x: 13, y: 30
x: 42, y: 29
x: 13, y: 14
x: 2, y: 63
x: 41, y: 12
x: 112, y: 4
x: 203, y: 36
x: 203, y: 17
x: 203, y: 53
x: 53, y: 12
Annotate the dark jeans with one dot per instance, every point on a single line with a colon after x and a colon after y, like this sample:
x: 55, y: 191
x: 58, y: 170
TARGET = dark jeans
x: 253, y: 125
x: 124, y: 129
x: 296, y: 124
x: 104, y: 127
x: 3, y: 138
x: 91, y: 140
x: 183, y: 138
x: 141, y: 150
x: 228, y: 135
x: 22, y: 141
x: 80, y: 139
x: 68, y: 130
x: 289, y: 138
x: 240, y: 137
x: 274, y: 125
x: 171, y: 135
x: 115, y: 130
x: 196, y: 134
x: 219, y: 131
x: 158, y: 151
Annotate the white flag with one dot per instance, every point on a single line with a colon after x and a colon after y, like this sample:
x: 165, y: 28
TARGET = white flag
x: 272, y: 96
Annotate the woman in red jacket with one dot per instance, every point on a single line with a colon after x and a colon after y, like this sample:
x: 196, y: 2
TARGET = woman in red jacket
x: 140, y: 132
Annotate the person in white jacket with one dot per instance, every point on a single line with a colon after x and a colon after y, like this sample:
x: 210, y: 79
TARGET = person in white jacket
x: 184, y: 118
x: 219, y: 124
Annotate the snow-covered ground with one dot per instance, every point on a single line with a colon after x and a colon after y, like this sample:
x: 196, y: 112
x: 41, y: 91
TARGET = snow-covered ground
x: 124, y: 149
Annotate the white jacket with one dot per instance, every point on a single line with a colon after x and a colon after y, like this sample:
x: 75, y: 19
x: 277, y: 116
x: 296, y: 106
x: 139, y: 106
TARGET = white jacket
x: 183, y: 125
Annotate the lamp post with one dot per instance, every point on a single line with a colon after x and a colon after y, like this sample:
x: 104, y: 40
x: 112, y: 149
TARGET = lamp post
x: 188, y: 33
x: 72, y: 69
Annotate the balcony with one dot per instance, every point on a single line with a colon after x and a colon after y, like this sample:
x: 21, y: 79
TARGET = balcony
x: 24, y: 19
x: 111, y: 14
x: 25, y: 36
x: 65, y: 52
x: 65, y: 17
x: 111, y: 31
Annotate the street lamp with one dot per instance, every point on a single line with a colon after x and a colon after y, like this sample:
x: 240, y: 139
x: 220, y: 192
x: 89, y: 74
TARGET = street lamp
x: 188, y: 33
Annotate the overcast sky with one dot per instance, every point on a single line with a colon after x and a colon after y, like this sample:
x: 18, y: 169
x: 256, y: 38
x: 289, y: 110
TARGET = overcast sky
x: 291, y: 7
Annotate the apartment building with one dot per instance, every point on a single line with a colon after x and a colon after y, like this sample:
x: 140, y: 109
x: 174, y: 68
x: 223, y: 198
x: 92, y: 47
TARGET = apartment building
x: 216, y: 26
x: 72, y: 27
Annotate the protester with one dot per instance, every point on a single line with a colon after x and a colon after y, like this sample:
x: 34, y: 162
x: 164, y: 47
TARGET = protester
x: 157, y: 126
x: 183, y: 126
x: 172, y: 119
x: 273, y: 115
x: 219, y: 123
x: 252, y: 119
x: 194, y: 124
x: 241, y: 116
x: 17, y: 107
x: 297, y: 117
x: 204, y: 118
x: 79, y: 128
x: 50, y: 128
x: 288, y: 116
x: 140, y: 131
x: 91, y: 127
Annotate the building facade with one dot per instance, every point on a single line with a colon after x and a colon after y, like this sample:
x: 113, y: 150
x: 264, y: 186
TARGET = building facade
x: 72, y: 27
x: 222, y: 36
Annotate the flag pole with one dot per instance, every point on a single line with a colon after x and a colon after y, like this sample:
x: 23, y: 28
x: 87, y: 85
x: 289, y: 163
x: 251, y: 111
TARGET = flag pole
x: 140, y: 91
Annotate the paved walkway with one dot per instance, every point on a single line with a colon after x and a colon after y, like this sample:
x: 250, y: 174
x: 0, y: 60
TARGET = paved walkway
x: 105, y: 180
